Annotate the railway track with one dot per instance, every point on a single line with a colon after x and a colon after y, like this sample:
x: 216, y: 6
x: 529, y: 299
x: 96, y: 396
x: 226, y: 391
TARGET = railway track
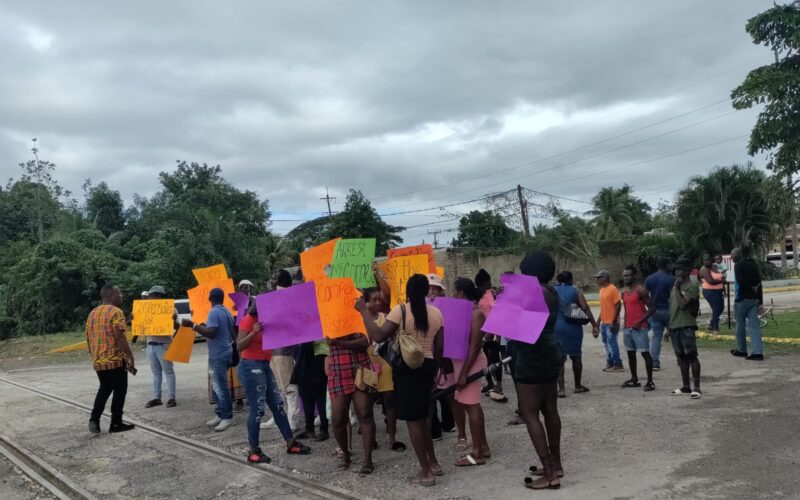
x: 302, y: 484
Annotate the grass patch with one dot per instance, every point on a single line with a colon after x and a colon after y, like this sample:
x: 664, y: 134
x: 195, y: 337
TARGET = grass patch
x: 785, y: 325
x: 32, y: 351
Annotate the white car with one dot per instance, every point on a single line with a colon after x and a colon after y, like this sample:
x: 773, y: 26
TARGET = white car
x: 184, y: 312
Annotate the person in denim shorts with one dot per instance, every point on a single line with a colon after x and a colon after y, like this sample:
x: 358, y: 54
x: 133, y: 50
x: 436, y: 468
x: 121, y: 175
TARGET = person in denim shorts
x: 638, y: 310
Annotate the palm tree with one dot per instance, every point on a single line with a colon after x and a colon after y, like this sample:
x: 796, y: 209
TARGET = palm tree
x: 612, y: 212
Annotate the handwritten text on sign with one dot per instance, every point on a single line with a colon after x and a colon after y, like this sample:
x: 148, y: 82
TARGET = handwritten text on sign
x: 315, y: 260
x: 425, y: 249
x: 153, y: 317
x: 335, y: 298
x: 212, y: 273
x: 398, y: 270
x: 353, y: 259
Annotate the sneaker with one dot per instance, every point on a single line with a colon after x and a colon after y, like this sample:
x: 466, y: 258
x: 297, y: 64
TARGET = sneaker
x: 224, y: 424
x: 153, y: 402
x: 269, y: 423
x: 739, y: 354
x: 94, y: 427
x: 258, y: 457
x: 755, y: 357
x: 608, y: 368
x: 114, y: 428
x: 618, y: 368
x: 214, y: 422
x: 656, y: 367
x: 171, y: 403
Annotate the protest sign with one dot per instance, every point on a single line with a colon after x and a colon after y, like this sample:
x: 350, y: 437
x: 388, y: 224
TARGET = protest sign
x: 457, y: 314
x: 425, y: 249
x: 520, y: 312
x: 198, y: 298
x: 398, y: 270
x: 153, y: 317
x: 180, y: 350
x: 212, y: 273
x: 314, y: 260
x: 289, y: 316
x: 353, y: 259
x: 335, y: 299
x: 240, y: 303
x: 440, y: 271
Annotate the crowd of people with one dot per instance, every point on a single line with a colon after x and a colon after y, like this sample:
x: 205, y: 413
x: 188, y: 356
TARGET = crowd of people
x: 327, y: 379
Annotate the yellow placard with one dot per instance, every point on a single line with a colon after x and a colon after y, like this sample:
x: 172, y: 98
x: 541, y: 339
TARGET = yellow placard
x: 440, y: 271
x: 424, y: 249
x: 398, y: 270
x: 153, y: 317
x: 212, y: 273
x: 180, y: 351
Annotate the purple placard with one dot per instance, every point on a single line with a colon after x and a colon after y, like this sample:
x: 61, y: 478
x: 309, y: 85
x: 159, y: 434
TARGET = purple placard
x: 457, y: 315
x: 241, y: 301
x: 520, y: 312
x: 289, y: 316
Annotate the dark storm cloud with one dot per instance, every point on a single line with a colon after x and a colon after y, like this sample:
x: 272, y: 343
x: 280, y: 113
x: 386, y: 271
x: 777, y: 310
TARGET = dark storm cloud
x: 390, y: 98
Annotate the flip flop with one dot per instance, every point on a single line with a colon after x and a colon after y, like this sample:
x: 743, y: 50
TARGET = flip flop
x: 462, y: 445
x: 468, y: 460
x: 551, y: 485
x: 438, y: 472
x: 344, y: 464
x: 631, y: 383
x: 498, y: 397
x: 649, y: 387
x: 696, y: 395
x: 681, y: 392
x: 398, y: 446
x: 366, y: 470
x: 580, y: 390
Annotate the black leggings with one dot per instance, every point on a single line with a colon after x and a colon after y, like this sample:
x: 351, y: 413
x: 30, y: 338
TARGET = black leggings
x: 492, y: 351
x: 111, y: 381
x: 313, y: 392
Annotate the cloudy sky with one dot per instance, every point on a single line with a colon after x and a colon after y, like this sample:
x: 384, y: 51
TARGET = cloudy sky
x: 418, y: 104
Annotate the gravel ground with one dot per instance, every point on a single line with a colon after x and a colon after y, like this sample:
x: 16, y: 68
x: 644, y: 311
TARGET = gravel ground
x: 739, y: 441
x: 15, y: 484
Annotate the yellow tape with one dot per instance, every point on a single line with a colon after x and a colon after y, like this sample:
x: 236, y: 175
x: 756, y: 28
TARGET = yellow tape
x: 772, y: 340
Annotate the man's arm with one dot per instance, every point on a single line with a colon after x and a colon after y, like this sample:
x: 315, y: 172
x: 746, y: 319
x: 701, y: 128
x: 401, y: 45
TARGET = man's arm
x: 650, y: 307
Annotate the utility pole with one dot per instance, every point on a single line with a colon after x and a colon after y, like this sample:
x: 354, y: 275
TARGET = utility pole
x: 435, y: 234
x: 523, y: 210
x: 328, y: 199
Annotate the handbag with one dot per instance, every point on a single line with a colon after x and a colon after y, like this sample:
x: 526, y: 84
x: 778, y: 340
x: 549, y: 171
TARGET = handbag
x: 576, y: 314
x: 407, y: 348
x: 366, y: 379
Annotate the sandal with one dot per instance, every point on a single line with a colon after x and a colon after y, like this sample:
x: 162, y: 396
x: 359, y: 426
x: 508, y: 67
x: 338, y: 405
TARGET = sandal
x: 366, y: 470
x: 258, y: 457
x: 649, y: 387
x: 344, y: 464
x: 542, y: 484
x: 437, y: 471
x: 696, y: 395
x: 415, y: 479
x: 631, y: 383
x: 468, y: 460
x: 681, y: 391
x: 498, y: 397
x: 398, y: 446
x: 580, y: 389
x: 462, y: 445
x: 535, y: 471
x: 516, y: 421
x: 297, y: 448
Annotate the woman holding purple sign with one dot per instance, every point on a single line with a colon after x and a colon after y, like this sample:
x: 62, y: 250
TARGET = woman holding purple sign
x: 468, y: 396
x: 535, y: 372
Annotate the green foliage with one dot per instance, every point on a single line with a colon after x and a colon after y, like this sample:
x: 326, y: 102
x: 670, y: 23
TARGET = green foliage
x: 618, y: 213
x: 651, y: 248
x: 360, y: 220
x: 310, y: 233
x: 28, y: 211
x: 484, y: 230
x: 104, y: 208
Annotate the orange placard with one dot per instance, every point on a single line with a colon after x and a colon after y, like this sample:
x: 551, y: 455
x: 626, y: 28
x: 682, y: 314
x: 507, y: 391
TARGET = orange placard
x: 335, y: 300
x: 212, y: 273
x: 440, y: 271
x: 198, y: 298
x: 180, y: 350
x: 315, y: 260
x: 425, y: 249
x: 398, y: 270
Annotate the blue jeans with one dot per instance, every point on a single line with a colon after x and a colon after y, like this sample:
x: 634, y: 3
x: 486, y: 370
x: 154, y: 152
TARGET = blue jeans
x: 717, y: 304
x: 611, y: 345
x: 218, y: 370
x: 658, y: 322
x: 260, y: 387
x: 747, y: 310
x: 159, y: 366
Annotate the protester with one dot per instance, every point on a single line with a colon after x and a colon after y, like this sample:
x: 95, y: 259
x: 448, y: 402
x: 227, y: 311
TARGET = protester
x: 451, y: 418
x: 112, y: 358
x: 283, y: 366
x: 659, y: 285
x: 569, y: 329
x: 219, y: 330
x: 379, y: 355
x: 347, y: 355
x: 535, y: 371
x: 610, y: 306
x: 157, y: 346
x: 491, y: 343
x: 749, y: 303
x: 237, y: 390
x: 424, y: 323
x: 683, y: 306
x: 713, y: 286
x: 312, y: 382
x: 468, y: 395
x: 245, y: 287
x: 261, y: 388
x: 638, y: 309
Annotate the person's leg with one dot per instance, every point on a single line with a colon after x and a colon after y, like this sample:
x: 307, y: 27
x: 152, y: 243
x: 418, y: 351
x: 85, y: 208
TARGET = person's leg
x: 754, y: 323
x: 720, y: 307
x: 684, y: 364
x: 340, y: 417
x: 552, y: 423
x: 448, y: 418
x: 274, y: 400
x: 659, y: 323
x: 477, y: 429
x: 561, y: 389
x: 307, y: 396
x: 531, y: 402
x: 487, y: 351
x: 155, y: 369
x: 577, y: 370
x: 648, y: 366
x: 119, y: 383
x: 694, y: 363
x: 255, y: 390
x: 614, y: 345
x: 103, y: 393
x: 459, y: 416
x: 420, y: 440
x: 741, y: 320
x: 433, y: 419
x: 168, y: 369
x: 366, y: 421
x: 605, y: 333
x: 320, y: 395
x: 218, y: 369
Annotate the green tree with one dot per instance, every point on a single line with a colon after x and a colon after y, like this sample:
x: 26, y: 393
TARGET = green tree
x: 104, y: 208
x: 310, y: 233
x: 618, y: 213
x: 484, y: 230
x: 360, y: 220
x: 730, y: 207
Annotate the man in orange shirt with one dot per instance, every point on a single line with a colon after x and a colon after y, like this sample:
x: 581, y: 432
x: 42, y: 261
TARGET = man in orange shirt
x: 610, y: 306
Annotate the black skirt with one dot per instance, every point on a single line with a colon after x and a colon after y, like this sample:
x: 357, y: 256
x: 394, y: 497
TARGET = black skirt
x: 412, y: 389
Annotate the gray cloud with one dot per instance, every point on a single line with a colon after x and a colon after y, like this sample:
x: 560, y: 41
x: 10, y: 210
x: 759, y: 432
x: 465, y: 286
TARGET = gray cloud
x: 390, y: 98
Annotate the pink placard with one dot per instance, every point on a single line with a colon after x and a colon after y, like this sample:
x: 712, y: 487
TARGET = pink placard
x: 457, y: 315
x: 520, y: 312
x: 289, y: 316
x: 241, y: 301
